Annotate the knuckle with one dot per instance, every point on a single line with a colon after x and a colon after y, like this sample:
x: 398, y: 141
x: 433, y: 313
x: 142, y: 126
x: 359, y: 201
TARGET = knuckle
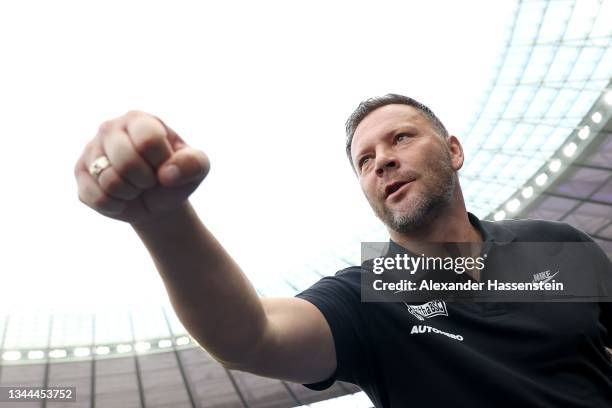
x: 133, y: 114
x: 106, y: 126
x: 90, y: 147
x: 147, y: 125
x: 146, y: 133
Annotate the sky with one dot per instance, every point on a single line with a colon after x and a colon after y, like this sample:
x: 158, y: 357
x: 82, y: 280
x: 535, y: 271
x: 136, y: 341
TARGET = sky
x: 264, y: 88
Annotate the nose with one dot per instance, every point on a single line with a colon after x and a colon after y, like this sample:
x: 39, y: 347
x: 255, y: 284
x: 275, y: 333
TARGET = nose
x: 385, y: 162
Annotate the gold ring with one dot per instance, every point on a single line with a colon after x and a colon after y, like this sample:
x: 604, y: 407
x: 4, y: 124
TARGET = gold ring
x: 98, y: 166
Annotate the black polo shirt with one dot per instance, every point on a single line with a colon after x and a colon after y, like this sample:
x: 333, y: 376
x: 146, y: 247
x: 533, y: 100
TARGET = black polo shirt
x: 471, y: 354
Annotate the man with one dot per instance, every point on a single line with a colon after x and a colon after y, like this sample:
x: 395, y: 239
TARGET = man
x: 138, y: 170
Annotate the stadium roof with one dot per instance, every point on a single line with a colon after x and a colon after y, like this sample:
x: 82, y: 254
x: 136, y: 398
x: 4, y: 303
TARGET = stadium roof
x: 539, y: 145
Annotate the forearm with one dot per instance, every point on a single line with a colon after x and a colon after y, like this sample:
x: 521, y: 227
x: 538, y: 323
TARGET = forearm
x: 211, y: 295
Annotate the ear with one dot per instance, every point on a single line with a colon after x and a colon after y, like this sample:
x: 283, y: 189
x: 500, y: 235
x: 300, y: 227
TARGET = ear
x: 456, y: 152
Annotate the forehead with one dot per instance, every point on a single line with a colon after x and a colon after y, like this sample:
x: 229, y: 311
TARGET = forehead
x: 385, y: 120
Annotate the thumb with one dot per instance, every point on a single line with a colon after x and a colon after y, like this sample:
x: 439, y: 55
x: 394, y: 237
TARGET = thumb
x: 184, y: 166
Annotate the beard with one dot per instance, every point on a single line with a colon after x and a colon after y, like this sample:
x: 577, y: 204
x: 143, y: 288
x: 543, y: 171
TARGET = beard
x: 437, y: 190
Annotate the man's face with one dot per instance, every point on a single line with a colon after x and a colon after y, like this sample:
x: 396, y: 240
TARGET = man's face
x: 405, y: 168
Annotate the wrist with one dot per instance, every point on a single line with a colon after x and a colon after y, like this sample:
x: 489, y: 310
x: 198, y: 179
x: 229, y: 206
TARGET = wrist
x: 167, y: 220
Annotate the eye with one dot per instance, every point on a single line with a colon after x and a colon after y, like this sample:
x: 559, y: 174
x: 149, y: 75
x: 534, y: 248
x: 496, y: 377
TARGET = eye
x: 401, y: 136
x: 363, y: 161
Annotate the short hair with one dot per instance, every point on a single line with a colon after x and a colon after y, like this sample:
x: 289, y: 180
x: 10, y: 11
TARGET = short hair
x: 369, y: 105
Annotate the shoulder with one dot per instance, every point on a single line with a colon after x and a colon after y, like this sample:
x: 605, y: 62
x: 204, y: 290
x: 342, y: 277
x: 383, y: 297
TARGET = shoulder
x: 532, y: 230
x: 345, y: 281
x: 348, y: 279
x: 350, y: 273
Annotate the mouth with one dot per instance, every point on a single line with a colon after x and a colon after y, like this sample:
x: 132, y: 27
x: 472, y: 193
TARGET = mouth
x: 394, y: 188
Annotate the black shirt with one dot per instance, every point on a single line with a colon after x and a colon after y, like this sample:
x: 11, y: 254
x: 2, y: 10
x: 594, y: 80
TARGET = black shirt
x: 471, y: 354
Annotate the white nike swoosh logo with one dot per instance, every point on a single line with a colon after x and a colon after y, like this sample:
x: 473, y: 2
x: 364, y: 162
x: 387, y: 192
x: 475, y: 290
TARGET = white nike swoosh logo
x: 548, y: 278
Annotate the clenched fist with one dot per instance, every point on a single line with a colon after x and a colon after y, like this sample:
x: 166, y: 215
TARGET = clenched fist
x: 150, y: 170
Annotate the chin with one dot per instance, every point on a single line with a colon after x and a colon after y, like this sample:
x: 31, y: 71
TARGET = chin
x: 406, y: 207
x: 409, y: 216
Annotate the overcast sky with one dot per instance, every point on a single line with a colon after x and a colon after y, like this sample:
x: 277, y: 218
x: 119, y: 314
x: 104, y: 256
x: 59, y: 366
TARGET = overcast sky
x: 263, y: 87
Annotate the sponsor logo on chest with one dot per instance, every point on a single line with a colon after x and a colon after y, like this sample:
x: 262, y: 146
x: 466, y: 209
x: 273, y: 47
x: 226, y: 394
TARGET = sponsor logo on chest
x: 421, y: 329
x: 428, y: 310
x: 543, y: 277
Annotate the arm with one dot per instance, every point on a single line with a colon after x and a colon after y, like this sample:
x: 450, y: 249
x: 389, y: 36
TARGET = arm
x: 138, y: 183
x: 285, y: 338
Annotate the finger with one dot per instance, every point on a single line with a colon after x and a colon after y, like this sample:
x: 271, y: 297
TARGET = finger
x: 109, y: 179
x: 91, y: 194
x: 126, y: 160
x: 112, y: 184
x: 185, y: 166
x: 150, y: 138
x: 175, y: 140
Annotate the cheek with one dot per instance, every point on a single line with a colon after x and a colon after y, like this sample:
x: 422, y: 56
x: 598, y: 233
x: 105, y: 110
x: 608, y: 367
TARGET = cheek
x: 368, y: 187
x: 435, y: 159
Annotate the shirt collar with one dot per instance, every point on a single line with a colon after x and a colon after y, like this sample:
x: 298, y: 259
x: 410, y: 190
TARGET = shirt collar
x: 492, y: 232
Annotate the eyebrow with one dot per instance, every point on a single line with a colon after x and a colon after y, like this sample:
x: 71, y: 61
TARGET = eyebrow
x: 395, y: 131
